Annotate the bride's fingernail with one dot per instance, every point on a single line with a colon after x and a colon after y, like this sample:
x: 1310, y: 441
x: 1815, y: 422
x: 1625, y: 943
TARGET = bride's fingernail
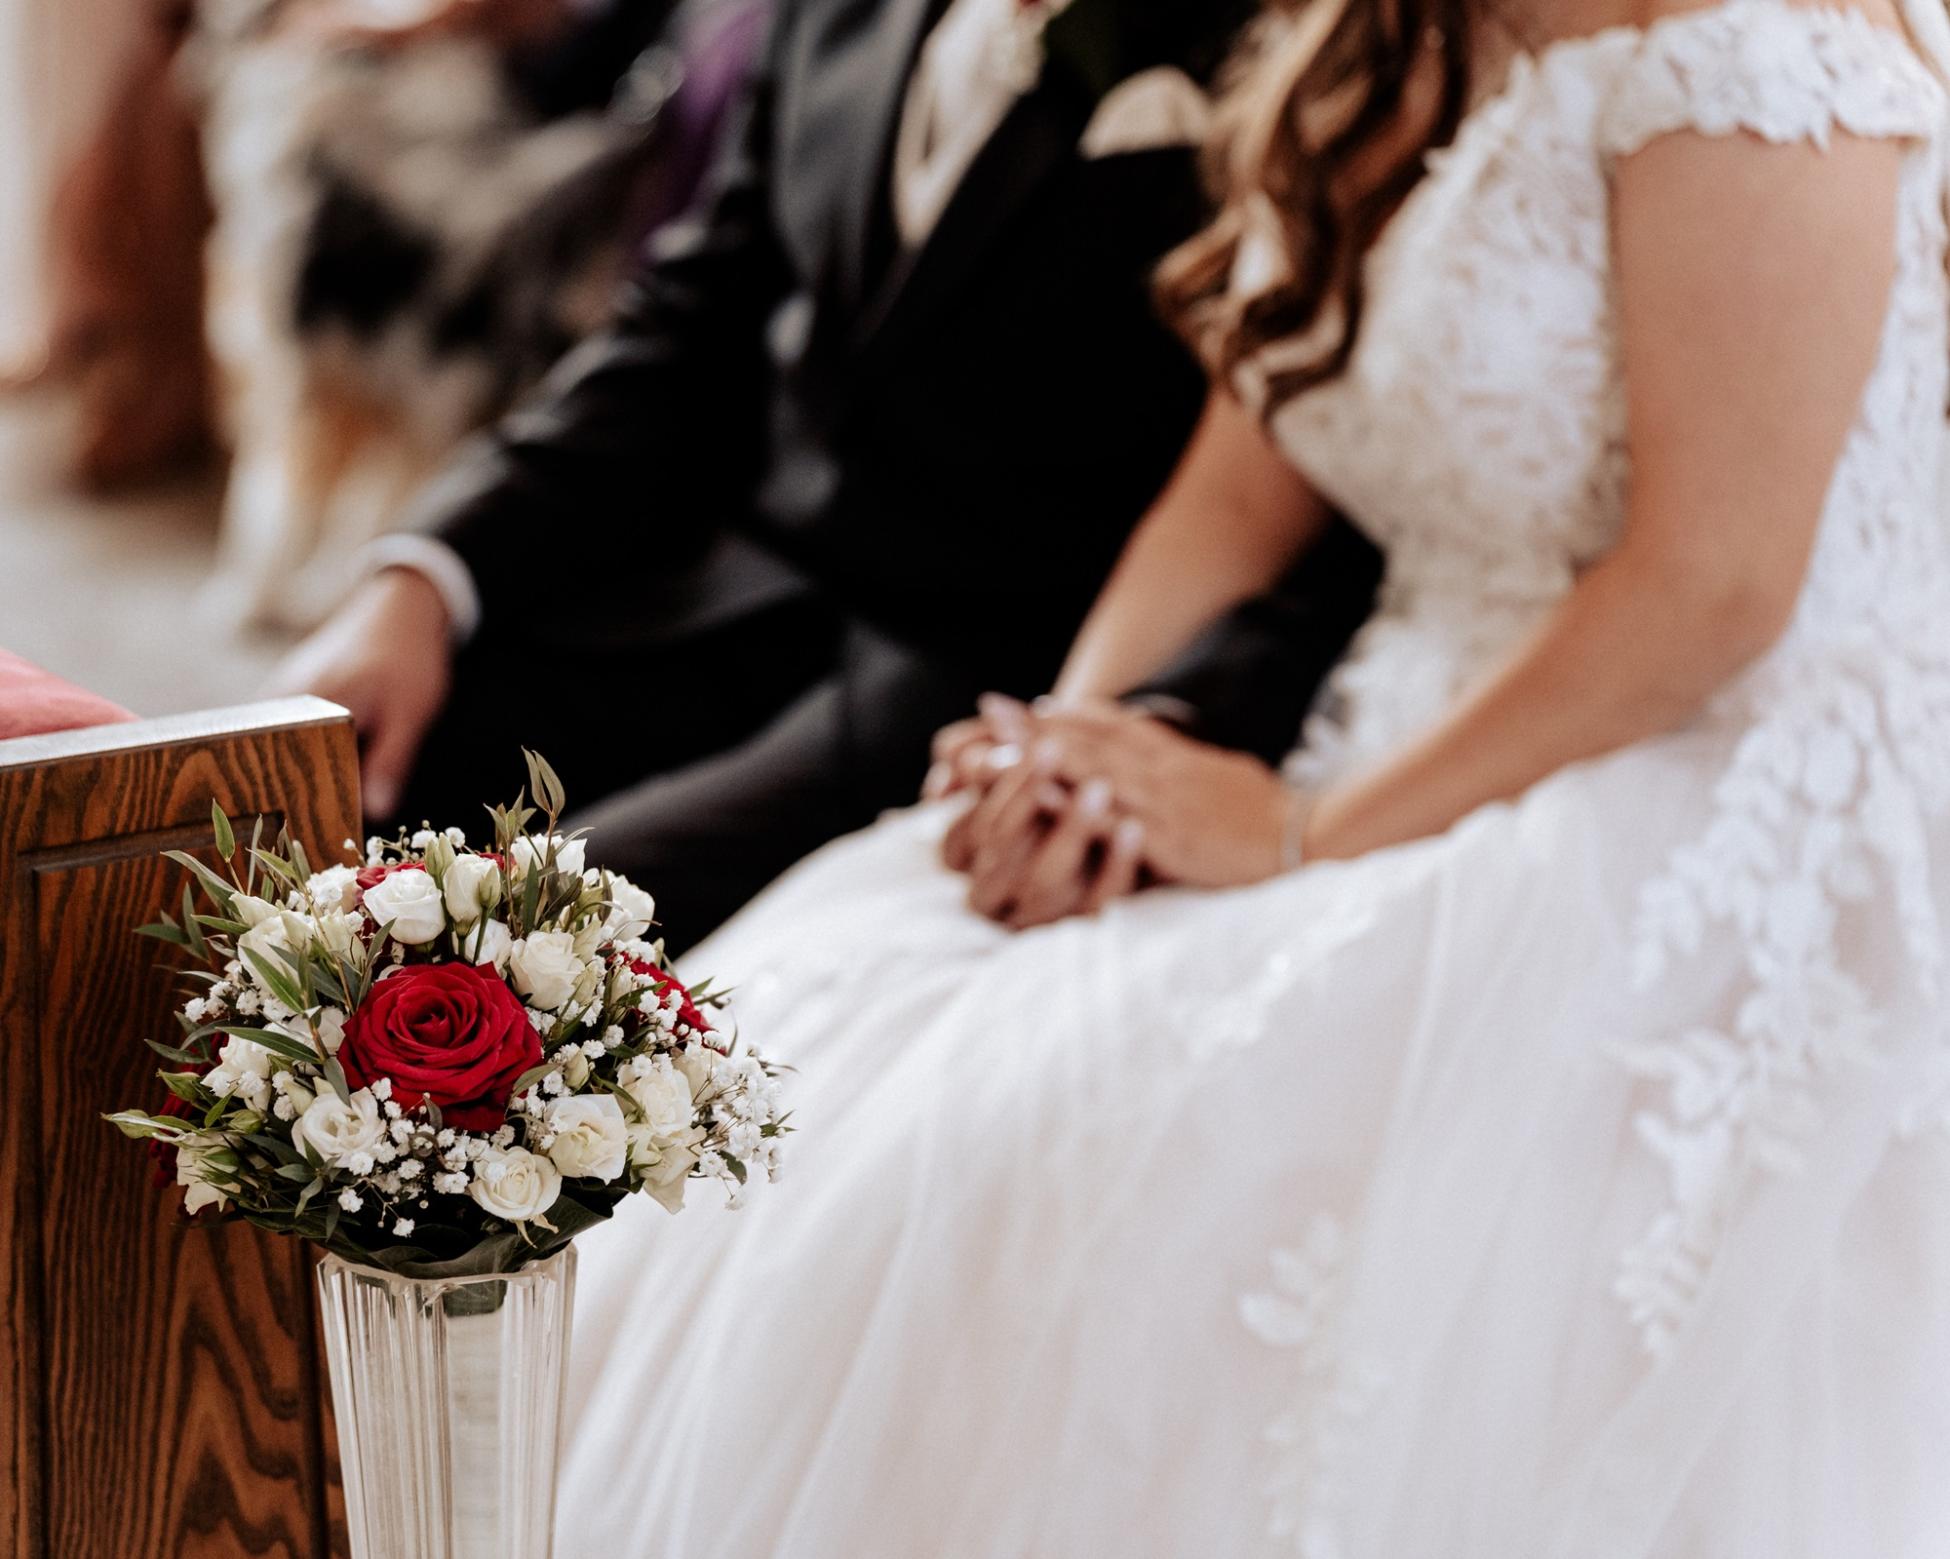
x: 1093, y: 800
x: 1045, y: 754
x: 1001, y: 707
x: 1130, y: 835
x: 1005, y: 755
x: 936, y: 782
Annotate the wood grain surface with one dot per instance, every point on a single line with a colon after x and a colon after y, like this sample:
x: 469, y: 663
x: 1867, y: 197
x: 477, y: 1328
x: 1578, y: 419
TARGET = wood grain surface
x: 163, y: 1392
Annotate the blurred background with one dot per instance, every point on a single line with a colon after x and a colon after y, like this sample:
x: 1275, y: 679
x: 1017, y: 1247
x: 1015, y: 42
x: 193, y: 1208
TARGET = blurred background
x: 263, y: 263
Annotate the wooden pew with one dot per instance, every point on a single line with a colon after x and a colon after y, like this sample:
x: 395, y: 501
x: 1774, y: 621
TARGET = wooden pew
x: 162, y: 1394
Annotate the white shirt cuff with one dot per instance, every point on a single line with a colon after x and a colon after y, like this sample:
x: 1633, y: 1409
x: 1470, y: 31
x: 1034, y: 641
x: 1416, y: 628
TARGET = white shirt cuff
x: 441, y: 567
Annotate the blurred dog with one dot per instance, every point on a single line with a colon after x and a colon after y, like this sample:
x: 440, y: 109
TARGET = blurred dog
x: 401, y: 245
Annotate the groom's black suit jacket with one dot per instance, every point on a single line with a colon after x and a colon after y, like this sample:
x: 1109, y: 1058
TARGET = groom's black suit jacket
x: 898, y: 478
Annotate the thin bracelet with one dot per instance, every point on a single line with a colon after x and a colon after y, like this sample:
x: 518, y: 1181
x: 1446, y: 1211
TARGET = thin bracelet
x: 1294, y: 817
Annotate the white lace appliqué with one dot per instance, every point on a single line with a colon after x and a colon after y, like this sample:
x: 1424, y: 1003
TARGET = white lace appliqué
x: 1479, y: 435
x: 1315, y: 1439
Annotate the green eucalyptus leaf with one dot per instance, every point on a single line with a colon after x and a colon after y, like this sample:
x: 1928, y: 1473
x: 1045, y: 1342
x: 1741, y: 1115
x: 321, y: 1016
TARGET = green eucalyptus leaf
x: 275, y: 980
x: 220, y: 891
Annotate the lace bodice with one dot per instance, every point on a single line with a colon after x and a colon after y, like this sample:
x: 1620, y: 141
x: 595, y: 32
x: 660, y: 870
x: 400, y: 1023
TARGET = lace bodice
x: 1478, y: 436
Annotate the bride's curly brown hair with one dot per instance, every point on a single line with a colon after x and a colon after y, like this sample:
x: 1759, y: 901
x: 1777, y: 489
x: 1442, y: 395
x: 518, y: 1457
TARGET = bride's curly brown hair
x: 1329, y: 112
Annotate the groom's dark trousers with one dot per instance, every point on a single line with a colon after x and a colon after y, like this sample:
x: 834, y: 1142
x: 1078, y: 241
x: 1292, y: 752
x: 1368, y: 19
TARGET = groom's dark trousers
x: 815, y: 490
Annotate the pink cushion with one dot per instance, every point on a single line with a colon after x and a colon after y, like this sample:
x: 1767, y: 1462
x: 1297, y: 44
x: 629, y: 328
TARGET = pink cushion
x: 34, y: 702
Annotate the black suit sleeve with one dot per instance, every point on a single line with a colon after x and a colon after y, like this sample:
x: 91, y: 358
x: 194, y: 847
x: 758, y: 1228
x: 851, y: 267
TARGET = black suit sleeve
x: 641, y: 434
x: 1248, y: 680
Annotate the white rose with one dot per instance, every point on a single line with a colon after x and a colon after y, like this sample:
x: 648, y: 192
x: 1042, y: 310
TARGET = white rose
x: 526, y: 854
x: 279, y: 929
x: 473, y: 885
x: 338, y: 932
x: 665, y: 1179
x: 333, y: 891
x: 663, y: 1094
x: 514, y: 1184
x: 591, y: 1136
x: 632, y: 913
x: 244, y: 1066
x: 408, y: 904
x: 202, y: 1180
x: 334, y: 1130
x: 492, y: 943
x: 546, y: 968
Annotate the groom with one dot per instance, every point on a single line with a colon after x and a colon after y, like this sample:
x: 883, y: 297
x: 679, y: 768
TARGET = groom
x: 861, y: 443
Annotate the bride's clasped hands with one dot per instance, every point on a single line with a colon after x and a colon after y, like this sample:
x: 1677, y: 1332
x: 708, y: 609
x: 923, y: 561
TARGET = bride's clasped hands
x: 1072, y: 803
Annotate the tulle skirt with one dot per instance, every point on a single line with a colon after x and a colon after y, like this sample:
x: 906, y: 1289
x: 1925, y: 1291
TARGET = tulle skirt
x: 1388, y: 1209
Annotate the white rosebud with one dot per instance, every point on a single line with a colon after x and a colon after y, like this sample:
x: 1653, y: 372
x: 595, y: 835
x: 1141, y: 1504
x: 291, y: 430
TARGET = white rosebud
x: 198, y: 1176
x: 633, y: 911
x: 545, y: 968
x: 575, y: 1070
x: 269, y: 932
x: 331, y: 1034
x: 251, y: 910
x: 338, y: 933
x: 492, y: 943
x: 590, y: 1136
x: 473, y: 886
x: 334, y: 1131
x: 514, y: 1184
x: 664, y: 1180
x: 333, y: 891
x: 241, y: 1059
x: 408, y: 904
x: 697, y: 1063
x: 663, y: 1093
x: 526, y: 854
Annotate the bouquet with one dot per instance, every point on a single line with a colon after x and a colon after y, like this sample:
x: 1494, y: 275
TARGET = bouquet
x: 443, y: 1061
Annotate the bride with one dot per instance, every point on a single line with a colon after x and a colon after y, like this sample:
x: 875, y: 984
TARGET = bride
x: 1521, y: 1130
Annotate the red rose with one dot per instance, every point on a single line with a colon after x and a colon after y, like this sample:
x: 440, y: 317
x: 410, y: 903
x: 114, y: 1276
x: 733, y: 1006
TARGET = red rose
x: 667, y: 982
x: 452, y: 1033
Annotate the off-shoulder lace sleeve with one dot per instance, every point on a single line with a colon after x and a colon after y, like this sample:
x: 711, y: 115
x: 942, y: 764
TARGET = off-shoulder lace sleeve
x: 1783, y: 72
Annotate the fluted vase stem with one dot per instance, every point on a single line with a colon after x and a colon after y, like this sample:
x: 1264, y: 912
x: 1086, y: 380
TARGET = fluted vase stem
x: 448, y: 1393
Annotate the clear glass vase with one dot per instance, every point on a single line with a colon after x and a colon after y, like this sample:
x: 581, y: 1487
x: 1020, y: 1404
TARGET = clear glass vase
x: 448, y: 1393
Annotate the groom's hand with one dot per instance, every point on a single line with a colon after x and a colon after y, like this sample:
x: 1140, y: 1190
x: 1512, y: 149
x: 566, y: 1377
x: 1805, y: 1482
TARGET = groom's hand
x: 1070, y: 856
x: 1035, y: 847
x: 386, y: 655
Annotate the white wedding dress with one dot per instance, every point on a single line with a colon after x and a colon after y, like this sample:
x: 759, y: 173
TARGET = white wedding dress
x: 1573, y: 1184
